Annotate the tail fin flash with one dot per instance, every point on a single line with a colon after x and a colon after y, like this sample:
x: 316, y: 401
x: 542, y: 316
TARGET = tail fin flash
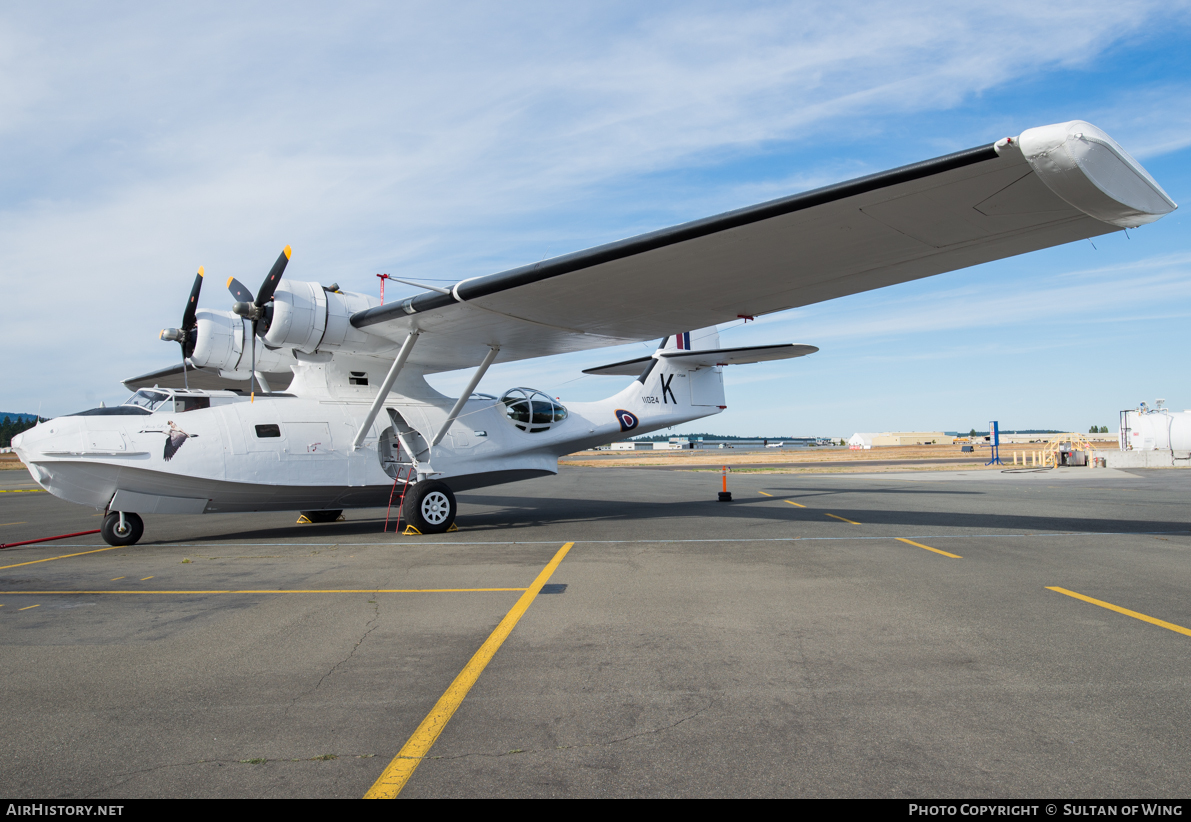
x: 698, y: 340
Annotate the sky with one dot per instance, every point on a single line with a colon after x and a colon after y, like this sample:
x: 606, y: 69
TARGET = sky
x: 444, y: 141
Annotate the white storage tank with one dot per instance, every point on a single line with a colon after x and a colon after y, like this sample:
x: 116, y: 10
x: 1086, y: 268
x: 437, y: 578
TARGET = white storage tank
x: 1155, y: 429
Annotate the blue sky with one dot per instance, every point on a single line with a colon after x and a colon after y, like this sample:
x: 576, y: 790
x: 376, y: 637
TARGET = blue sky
x: 440, y: 142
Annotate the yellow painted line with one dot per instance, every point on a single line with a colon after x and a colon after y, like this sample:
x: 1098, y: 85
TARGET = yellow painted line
x: 418, y: 745
x: 790, y: 502
x: 1170, y: 626
x: 286, y: 591
x: 114, y: 579
x: 145, y: 578
x: 22, y: 490
x: 927, y: 547
x: 845, y: 519
x: 64, y: 556
x: 27, y: 607
x: 762, y: 492
x: 14, y: 523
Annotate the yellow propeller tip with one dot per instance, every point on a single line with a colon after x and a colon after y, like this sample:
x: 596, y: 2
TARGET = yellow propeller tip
x: 201, y: 271
x: 229, y: 281
x: 288, y: 252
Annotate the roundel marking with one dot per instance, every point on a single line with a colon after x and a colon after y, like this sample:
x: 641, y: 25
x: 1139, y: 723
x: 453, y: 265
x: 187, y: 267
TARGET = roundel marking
x: 628, y: 420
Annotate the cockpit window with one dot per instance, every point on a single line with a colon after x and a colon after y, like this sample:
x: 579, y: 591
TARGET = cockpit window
x: 148, y: 398
x: 182, y: 403
x: 532, y: 410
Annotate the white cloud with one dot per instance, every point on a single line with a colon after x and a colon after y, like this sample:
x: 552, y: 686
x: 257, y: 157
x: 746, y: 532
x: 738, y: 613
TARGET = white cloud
x: 141, y: 141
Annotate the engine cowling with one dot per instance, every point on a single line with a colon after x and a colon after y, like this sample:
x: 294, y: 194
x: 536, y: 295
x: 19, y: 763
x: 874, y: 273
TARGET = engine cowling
x: 309, y: 318
x: 224, y: 342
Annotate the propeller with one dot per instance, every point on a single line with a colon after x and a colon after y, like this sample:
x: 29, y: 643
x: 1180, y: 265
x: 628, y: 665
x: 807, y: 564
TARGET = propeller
x: 264, y: 294
x: 189, y: 320
x: 187, y: 334
x: 254, y: 309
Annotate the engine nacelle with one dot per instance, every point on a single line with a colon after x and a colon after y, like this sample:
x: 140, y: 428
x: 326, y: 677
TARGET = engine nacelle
x: 225, y: 342
x: 309, y: 318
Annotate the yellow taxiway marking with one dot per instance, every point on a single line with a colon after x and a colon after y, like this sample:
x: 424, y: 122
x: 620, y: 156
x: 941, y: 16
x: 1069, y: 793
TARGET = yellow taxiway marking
x: 285, y: 591
x: 845, y: 519
x: 64, y: 556
x: 117, y: 578
x: 418, y: 745
x: 1170, y: 626
x: 14, y: 523
x: 927, y: 547
x: 145, y: 578
x: 27, y: 607
x: 800, y: 505
x: 22, y: 490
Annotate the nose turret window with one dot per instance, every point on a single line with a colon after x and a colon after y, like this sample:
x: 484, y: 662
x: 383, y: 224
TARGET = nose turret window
x: 532, y: 410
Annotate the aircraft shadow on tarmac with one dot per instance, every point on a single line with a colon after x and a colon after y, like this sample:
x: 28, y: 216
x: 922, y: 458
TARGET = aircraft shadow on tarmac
x: 517, y: 513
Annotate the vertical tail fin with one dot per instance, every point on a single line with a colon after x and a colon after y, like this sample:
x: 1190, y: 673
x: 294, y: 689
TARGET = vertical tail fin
x: 698, y: 340
x: 670, y: 388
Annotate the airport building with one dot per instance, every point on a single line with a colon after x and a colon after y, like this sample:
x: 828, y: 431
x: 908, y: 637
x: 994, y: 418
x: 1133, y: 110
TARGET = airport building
x: 861, y: 441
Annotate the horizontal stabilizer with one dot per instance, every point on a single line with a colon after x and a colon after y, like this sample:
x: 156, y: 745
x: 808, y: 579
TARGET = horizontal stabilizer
x: 204, y: 378
x: 715, y: 356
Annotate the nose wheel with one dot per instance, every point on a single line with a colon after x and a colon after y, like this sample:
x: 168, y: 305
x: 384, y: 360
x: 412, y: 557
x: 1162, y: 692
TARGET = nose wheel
x: 430, y: 507
x: 121, y: 528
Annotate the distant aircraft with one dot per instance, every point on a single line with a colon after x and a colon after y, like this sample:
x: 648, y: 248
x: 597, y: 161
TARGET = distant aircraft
x: 346, y: 362
x: 774, y: 444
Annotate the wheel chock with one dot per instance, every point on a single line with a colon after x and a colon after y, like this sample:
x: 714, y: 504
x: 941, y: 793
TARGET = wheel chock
x: 412, y: 531
x: 305, y: 520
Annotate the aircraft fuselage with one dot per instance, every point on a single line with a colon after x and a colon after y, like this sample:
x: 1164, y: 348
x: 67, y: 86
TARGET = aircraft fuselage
x: 294, y: 453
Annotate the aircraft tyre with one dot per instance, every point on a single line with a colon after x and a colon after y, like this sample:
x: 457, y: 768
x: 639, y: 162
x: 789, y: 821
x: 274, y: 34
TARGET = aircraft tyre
x: 430, y: 507
x: 113, y: 534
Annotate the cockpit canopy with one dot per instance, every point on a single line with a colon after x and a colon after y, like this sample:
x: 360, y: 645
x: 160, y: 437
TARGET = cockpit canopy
x: 531, y: 410
x: 148, y: 398
x: 176, y: 400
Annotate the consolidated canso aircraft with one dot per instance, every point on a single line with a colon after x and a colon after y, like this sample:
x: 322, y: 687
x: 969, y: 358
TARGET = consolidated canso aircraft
x: 307, y: 398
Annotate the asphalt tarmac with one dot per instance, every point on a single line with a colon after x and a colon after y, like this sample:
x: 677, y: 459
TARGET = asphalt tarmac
x: 919, y: 636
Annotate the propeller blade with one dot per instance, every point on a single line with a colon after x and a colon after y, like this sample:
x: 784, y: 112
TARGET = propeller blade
x: 189, y: 327
x: 271, y: 281
x: 188, y: 318
x: 242, y: 294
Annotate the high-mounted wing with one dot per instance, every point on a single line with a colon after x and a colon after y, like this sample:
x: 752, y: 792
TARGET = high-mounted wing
x: 1052, y: 185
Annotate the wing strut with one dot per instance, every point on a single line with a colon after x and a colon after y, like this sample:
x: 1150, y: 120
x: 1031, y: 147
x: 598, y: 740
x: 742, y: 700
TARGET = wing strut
x: 466, y: 395
x: 383, y: 393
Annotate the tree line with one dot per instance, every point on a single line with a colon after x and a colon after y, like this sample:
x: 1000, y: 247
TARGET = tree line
x: 9, y: 428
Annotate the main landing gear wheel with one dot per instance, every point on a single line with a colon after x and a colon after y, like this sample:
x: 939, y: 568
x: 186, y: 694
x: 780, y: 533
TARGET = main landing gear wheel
x: 114, y: 533
x: 430, y: 507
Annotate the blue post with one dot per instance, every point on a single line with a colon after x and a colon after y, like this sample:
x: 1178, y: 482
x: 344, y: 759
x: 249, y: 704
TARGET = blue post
x: 996, y: 444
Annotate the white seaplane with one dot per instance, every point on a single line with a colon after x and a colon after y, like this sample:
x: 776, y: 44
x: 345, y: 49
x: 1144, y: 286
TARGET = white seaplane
x: 355, y: 418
